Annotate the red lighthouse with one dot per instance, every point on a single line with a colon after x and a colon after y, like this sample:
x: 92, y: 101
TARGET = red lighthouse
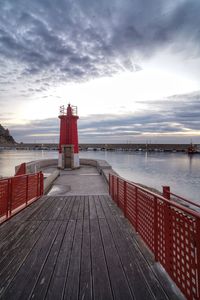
x: 68, y: 145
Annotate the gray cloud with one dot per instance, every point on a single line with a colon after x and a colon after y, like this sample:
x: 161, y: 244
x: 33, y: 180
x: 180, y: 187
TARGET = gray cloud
x: 78, y: 40
x: 176, y: 115
x: 44, y: 42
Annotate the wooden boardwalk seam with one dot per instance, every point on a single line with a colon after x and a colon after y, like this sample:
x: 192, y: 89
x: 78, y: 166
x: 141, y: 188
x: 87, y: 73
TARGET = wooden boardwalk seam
x: 74, y: 247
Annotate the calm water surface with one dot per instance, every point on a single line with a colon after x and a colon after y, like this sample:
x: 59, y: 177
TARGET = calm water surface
x: 178, y: 170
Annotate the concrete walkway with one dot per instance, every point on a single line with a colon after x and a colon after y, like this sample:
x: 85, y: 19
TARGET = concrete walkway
x: 83, y: 181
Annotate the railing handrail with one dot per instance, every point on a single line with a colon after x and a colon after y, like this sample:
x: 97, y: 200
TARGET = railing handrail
x: 170, y: 202
x: 27, y: 174
x: 184, y: 199
x: 4, y: 179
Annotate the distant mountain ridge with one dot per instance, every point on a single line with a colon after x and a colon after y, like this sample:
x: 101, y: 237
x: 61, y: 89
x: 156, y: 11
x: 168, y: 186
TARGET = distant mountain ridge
x: 5, y: 137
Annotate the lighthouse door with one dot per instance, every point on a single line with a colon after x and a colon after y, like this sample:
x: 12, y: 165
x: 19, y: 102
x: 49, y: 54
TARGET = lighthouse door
x: 67, y: 160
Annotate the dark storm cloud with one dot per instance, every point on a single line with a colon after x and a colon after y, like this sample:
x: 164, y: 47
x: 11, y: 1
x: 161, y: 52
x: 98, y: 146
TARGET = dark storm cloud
x: 74, y: 40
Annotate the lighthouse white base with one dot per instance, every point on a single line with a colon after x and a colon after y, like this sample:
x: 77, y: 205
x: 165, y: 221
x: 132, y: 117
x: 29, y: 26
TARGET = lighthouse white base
x: 76, y: 160
x: 61, y: 160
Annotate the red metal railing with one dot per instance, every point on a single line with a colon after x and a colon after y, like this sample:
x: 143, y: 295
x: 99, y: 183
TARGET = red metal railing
x: 21, y: 170
x: 17, y: 192
x: 170, y: 230
x: 167, y: 194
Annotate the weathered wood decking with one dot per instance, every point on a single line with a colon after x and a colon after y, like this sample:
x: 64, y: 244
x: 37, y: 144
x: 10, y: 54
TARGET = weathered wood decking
x: 74, y: 247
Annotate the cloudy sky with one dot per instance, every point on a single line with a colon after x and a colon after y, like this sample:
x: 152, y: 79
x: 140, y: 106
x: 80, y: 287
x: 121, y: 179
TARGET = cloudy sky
x: 131, y: 66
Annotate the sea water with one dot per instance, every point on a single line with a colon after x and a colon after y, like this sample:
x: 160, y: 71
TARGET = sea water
x: 180, y: 171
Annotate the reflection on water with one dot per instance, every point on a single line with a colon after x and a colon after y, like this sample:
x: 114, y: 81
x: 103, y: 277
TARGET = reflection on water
x: 11, y: 158
x: 178, y: 170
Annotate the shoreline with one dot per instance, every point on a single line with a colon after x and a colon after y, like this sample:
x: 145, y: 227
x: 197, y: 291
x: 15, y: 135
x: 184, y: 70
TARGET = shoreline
x: 133, y: 147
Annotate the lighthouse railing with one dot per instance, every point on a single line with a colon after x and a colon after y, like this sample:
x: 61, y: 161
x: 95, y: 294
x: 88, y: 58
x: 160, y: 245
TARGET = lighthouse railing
x: 18, y: 192
x: 63, y: 110
x: 170, y: 230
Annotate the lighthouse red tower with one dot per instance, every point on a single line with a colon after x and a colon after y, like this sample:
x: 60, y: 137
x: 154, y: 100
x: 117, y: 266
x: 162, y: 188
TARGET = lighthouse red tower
x: 68, y: 145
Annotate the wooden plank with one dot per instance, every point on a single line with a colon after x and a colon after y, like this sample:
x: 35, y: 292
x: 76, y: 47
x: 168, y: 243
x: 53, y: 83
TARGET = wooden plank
x: 59, y: 204
x: 40, y: 288
x: 73, y: 276
x: 12, y: 232
x: 31, y: 209
x: 81, y: 207
x: 99, y: 210
x: 73, y: 215
x: 85, y: 286
x: 12, y: 224
x: 17, y: 259
x: 18, y: 237
x: 158, y: 280
x: 71, y: 290
x: 42, y: 210
x: 86, y: 208
x: 27, y: 275
x: 57, y: 283
x: 6, y: 230
x: 135, y: 277
x: 66, y: 211
x: 92, y: 208
x: 59, y: 278
x: 48, y: 215
x: 145, y: 268
x: 119, y: 283
x: 101, y: 281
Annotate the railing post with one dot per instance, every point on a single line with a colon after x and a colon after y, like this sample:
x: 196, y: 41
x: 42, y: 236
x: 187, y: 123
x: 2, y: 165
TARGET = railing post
x: 109, y: 183
x: 38, y: 184
x: 125, y: 200
x: 156, y: 228
x: 166, y: 192
x: 167, y: 230
x: 113, y: 187
x: 117, y: 191
x: 198, y: 254
x: 10, y: 182
x: 136, y: 209
x: 8, y: 199
x: 41, y: 183
x: 26, y: 189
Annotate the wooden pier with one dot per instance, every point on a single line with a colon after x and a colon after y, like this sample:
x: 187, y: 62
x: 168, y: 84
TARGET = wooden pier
x: 75, y: 247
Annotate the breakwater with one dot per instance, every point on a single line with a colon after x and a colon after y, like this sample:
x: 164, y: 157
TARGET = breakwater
x: 108, y: 147
x: 136, y: 147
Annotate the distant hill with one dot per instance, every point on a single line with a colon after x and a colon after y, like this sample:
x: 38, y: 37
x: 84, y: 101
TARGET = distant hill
x: 5, y: 137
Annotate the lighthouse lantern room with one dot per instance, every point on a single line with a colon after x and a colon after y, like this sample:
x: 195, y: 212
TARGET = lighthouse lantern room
x: 68, y: 145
